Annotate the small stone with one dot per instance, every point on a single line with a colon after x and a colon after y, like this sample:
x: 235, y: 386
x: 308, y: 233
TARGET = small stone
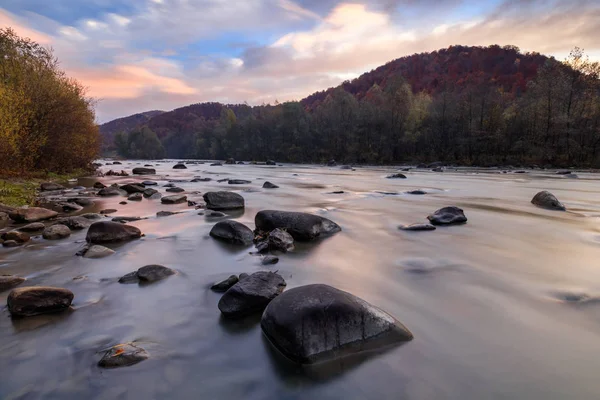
x: 175, y: 199
x: 269, y: 185
x: 238, y: 182
x: 144, y: 171
x: 417, y: 227
x: 17, y: 236
x: 31, y: 214
x: 132, y: 188
x: 165, y: 213
x: 76, y: 223
x: 252, y: 294
x: 223, y: 286
x: 56, y: 232
x: 108, y: 211
x: 149, y: 183
x: 28, y: 301
x: 396, y: 176
x: 280, y: 240
x: 220, y: 201
x: 123, y: 355
x: 243, y: 276
x: 70, y: 207
x: 232, y: 232
x: 175, y: 190
x: 179, y: 166
x: 123, y: 203
x: 150, y: 193
x: 126, y: 219
x: 153, y: 273
x: 417, y: 192
x: 97, y: 251
x: 109, y: 191
x: 269, y: 260
x: 33, y: 227
x: 106, y: 232
x: 135, y: 197
x: 448, y: 216
x: 91, y: 216
x: 217, y: 214
x: 11, y: 243
x: 10, y: 281
x: 99, y: 185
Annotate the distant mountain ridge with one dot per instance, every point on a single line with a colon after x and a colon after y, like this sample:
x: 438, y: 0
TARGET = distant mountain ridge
x: 109, y: 129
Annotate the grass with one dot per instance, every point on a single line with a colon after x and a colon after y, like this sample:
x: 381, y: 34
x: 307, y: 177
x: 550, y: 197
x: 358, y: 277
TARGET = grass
x: 18, y: 192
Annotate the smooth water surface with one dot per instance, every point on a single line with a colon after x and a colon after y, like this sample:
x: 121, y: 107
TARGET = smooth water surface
x: 504, y: 307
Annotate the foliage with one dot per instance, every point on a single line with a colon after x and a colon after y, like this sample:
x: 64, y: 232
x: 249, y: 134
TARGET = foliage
x: 469, y: 105
x: 140, y: 143
x: 46, y: 121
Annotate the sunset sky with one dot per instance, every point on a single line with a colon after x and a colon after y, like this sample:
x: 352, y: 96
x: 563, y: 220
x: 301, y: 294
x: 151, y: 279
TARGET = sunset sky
x: 140, y: 55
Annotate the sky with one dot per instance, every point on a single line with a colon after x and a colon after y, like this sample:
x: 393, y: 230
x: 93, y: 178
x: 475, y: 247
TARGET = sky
x: 140, y: 55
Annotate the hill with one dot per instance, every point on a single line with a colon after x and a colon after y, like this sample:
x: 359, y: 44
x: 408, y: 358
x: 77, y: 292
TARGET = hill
x: 125, y: 124
x: 470, y: 105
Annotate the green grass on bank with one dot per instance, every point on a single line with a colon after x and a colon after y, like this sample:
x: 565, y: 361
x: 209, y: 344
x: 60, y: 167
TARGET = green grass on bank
x: 18, y: 192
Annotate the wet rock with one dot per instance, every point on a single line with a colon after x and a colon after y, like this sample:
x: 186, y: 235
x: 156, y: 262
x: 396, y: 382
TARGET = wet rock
x: 396, y: 176
x: 114, y: 173
x: 269, y: 260
x: 126, y: 219
x: 144, y: 171
x: 179, y: 166
x: 10, y: 243
x: 220, y: 201
x: 106, y: 232
x: 109, y: 191
x: 243, y: 276
x: 70, y: 207
x: 232, y: 232
x: 223, y: 286
x: 10, y: 281
x: 201, y: 180
x: 76, y: 223
x: 150, y: 193
x: 175, y: 199
x: 439, y: 169
x: 97, y: 251
x: 123, y: 203
x: 135, y: 197
x: 175, y: 190
x: 417, y: 227
x: 56, y: 232
x: 216, y: 165
x: 31, y: 214
x: 547, y: 200
x: 132, y: 188
x: 91, y: 216
x: 33, y: 227
x: 238, y: 182
x: 17, y: 236
x: 28, y: 301
x: 81, y: 201
x: 192, y: 203
x: 116, y: 163
x: 149, y: 183
x: 123, y: 355
x: 147, y: 274
x: 230, y: 161
x: 338, y: 192
x: 448, y: 216
x: 216, y: 214
x: 416, y: 192
x: 169, y: 185
x: 316, y: 323
x: 165, y: 213
x: 302, y: 226
x: 269, y: 185
x: 271, y: 162
x: 563, y: 172
x: 49, y: 186
x: 99, y: 185
x: 4, y: 216
x: 108, y: 211
x: 280, y: 240
x: 252, y: 294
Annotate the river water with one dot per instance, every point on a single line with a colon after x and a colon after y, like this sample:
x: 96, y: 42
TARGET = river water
x: 498, y: 306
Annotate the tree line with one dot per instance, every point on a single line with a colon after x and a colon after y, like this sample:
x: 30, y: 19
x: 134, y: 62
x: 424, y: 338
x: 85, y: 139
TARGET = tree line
x: 47, y: 123
x: 554, y: 119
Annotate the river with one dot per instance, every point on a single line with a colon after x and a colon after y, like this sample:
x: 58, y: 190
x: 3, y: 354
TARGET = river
x: 492, y: 303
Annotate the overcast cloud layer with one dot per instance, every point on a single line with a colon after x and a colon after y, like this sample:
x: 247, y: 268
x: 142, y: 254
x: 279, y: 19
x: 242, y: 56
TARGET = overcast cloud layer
x: 138, y: 55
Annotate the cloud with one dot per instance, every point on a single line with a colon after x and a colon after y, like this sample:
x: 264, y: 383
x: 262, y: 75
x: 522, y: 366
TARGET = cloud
x: 20, y: 27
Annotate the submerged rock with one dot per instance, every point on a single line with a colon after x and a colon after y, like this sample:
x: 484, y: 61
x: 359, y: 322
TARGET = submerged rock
x: 269, y: 185
x: 238, y: 182
x: 91, y: 216
x: 175, y: 199
x: 269, y: 260
x: 123, y: 355
x: 251, y: 294
x: 315, y: 323
x: 416, y: 192
x: 56, y: 232
x: 10, y: 243
x: 144, y: 171
x: 301, y: 226
x: 99, y: 185
x: 270, y: 162
x: 150, y: 193
x: 108, y: 211
x: 417, y: 227
x: 220, y: 201
x: 97, y: 251
x: 147, y: 274
x: 175, y: 190
x: 224, y: 285
x: 28, y: 301
x: 124, y: 220
x: 448, y: 216
x: 547, y: 200
x: 165, y: 213
x: 232, y: 232
x: 106, y: 232
x: 396, y: 176
x: 10, y: 281
x: 31, y: 214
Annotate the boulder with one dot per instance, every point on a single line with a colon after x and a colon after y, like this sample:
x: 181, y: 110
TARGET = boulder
x: 123, y: 355
x: 109, y: 191
x: 396, y: 176
x: 316, y: 323
x: 17, y: 236
x: 417, y: 227
x: 151, y: 193
x: 76, y: 223
x: 144, y: 171
x: 175, y: 190
x: 220, y: 201
x: 224, y: 285
x: 165, y: 213
x: 243, y: 276
x: 147, y: 274
x: 135, y: 197
x: 280, y: 240
x: 238, y: 182
x: 547, y: 200
x: 175, y: 199
x: 49, y: 186
x: 56, y: 232
x: 10, y: 281
x: 232, y: 232
x: 97, y: 251
x: 33, y: 227
x: 302, y: 226
x: 269, y: 185
x: 31, y: 214
x: 107, y: 232
x: 179, y: 166
x: 133, y: 188
x: 28, y: 301
x: 448, y: 216
x: 251, y: 294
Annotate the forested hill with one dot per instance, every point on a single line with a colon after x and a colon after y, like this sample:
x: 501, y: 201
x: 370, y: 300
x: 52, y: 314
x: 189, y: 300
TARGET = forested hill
x: 125, y: 124
x: 469, y: 105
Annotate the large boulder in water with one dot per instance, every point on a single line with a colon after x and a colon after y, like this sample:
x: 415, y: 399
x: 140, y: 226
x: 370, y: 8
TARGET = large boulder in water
x: 251, y: 294
x: 144, y: 171
x: 56, y: 232
x: 29, y: 301
x: 220, y: 201
x: 316, y: 323
x: 106, y: 232
x: 232, y: 232
x: 31, y: 214
x: 448, y: 216
x: 547, y: 200
x: 302, y: 226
